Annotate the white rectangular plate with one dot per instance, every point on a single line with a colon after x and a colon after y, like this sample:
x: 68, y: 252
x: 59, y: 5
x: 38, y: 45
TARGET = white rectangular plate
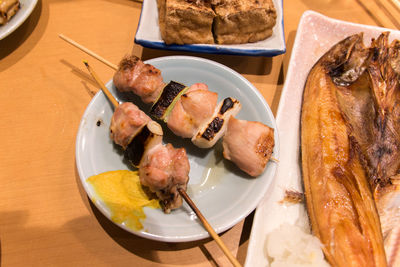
x: 315, y: 35
x: 148, y: 35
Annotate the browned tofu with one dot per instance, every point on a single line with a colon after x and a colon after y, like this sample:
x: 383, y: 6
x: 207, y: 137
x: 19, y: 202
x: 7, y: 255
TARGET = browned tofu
x: 244, y: 21
x: 8, y: 8
x: 185, y: 22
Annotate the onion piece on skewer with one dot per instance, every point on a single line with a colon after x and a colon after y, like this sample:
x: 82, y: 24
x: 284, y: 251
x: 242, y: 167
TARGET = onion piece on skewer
x: 214, y: 129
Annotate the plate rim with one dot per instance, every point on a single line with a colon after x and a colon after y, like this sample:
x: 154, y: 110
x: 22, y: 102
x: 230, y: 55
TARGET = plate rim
x: 15, y: 25
x: 215, y: 48
x: 204, y: 234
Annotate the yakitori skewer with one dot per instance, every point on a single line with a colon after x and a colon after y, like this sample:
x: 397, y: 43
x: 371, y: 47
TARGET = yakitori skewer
x: 113, y: 66
x: 181, y: 191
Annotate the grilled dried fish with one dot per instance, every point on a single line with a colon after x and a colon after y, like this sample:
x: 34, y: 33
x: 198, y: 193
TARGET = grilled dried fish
x: 340, y: 204
x: 375, y: 127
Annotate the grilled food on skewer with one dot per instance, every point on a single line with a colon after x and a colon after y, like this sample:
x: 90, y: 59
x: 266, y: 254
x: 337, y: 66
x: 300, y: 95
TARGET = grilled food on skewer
x: 125, y: 75
x: 211, y: 131
x: 177, y: 169
x: 163, y: 169
x: 192, y: 110
x: 241, y: 135
x: 189, y: 112
x: 127, y: 121
x: 142, y: 79
x: 166, y: 102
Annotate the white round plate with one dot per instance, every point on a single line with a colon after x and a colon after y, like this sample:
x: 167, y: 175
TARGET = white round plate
x: 26, y: 9
x: 223, y: 193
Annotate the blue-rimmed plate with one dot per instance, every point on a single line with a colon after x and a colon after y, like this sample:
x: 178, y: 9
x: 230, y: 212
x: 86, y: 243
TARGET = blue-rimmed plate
x: 223, y: 193
x: 148, y: 35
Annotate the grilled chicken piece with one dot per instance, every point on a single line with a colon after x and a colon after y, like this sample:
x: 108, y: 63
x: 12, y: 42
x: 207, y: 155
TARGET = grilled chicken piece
x: 192, y: 110
x: 164, y: 169
x: 144, y: 80
x: 341, y: 207
x: 248, y: 144
x: 126, y: 122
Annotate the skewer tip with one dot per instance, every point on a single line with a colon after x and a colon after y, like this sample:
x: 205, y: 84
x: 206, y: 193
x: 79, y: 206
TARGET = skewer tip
x: 86, y: 63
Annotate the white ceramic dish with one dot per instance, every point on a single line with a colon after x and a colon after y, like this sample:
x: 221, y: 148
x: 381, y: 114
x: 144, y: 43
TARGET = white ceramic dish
x: 223, y: 193
x: 148, y: 35
x: 26, y: 9
x: 315, y: 35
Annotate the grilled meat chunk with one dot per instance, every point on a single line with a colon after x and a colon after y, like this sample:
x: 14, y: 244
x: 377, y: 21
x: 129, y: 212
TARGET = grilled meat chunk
x: 144, y: 80
x: 164, y: 169
x: 126, y: 122
x: 192, y: 110
x: 248, y: 144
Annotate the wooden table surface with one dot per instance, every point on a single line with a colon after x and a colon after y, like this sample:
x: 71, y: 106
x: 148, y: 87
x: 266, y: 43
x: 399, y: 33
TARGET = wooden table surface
x: 46, y: 218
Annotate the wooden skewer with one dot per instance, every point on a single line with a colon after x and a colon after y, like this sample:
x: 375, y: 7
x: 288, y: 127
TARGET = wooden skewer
x: 209, y: 228
x: 182, y: 192
x: 110, y: 97
x: 87, y: 51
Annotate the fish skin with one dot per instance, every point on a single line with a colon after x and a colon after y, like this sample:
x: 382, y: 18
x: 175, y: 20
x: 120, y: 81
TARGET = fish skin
x: 339, y: 201
x: 371, y: 108
x: 377, y: 131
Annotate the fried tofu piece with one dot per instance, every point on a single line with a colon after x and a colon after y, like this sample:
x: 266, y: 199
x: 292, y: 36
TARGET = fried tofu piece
x: 185, y: 22
x: 240, y: 21
x: 8, y: 8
